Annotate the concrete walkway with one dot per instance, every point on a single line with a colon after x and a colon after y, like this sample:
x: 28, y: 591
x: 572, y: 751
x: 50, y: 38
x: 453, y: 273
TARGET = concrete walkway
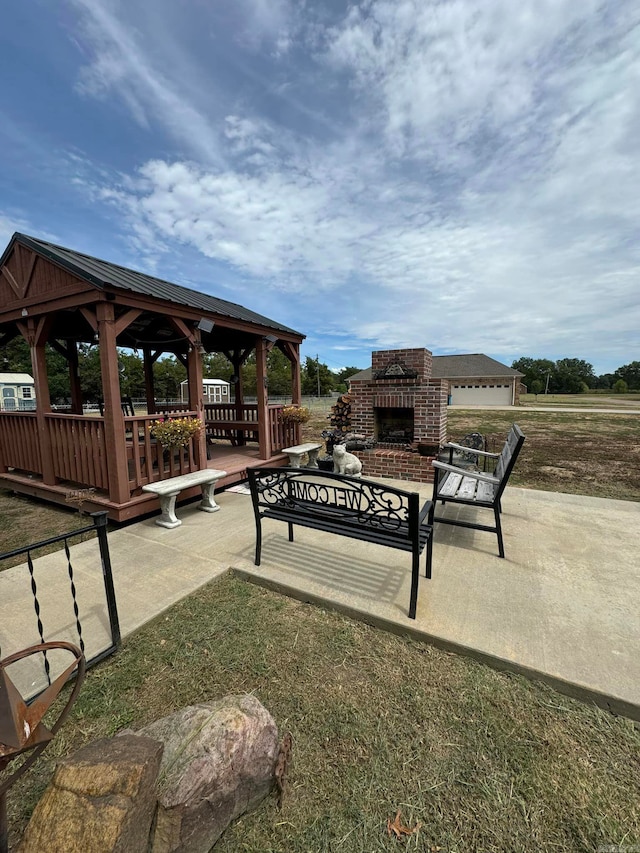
x: 562, y: 606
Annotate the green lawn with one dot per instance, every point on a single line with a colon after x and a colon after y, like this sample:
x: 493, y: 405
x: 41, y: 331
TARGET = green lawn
x: 483, y: 761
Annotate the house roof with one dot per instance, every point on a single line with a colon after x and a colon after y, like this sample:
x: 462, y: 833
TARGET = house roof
x: 209, y: 382
x: 16, y: 379
x: 103, y: 273
x: 457, y: 367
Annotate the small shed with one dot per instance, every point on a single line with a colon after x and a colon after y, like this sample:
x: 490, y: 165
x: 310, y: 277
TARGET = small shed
x: 17, y: 392
x: 213, y: 391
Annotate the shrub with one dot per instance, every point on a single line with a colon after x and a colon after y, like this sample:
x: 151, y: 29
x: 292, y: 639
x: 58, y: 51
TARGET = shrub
x: 620, y: 387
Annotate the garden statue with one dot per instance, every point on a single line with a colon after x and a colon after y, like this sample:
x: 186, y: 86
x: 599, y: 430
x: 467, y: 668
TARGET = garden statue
x: 345, y: 462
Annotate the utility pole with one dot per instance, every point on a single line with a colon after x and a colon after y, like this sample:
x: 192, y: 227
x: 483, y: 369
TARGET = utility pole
x: 546, y: 387
x: 318, y: 371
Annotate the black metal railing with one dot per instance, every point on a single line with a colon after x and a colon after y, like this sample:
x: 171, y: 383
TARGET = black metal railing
x: 99, y: 526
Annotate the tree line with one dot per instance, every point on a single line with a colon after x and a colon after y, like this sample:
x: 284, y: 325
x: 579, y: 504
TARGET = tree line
x: 573, y: 376
x: 168, y: 373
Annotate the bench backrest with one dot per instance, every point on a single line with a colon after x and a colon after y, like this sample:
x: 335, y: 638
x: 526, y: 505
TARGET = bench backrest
x: 336, y: 497
x: 508, y: 456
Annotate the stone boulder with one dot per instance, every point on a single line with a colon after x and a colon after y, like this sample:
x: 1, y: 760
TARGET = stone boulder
x: 101, y: 799
x: 218, y: 762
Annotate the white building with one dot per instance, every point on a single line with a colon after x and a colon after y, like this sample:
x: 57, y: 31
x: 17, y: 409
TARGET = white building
x: 213, y: 391
x: 17, y: 392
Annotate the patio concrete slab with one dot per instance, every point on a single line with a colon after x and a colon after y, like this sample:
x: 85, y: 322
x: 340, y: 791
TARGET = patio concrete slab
x: 562, y: 605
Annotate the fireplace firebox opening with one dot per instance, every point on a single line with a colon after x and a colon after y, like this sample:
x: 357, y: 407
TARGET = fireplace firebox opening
x: 394, y: 425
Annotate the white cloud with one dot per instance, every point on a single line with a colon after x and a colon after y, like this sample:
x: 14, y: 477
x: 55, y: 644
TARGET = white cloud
x: 475, y: 188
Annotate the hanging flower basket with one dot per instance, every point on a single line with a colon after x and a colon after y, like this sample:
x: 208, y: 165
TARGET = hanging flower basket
x: 177, y: 432
x: 294, y: 414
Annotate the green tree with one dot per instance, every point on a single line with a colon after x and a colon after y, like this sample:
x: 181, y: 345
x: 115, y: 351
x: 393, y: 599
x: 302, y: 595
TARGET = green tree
x: 571, y: 373
x: 131, y: 374
x: 168, y: 373
x: 620, y: 387
x: 535, y: 369
x: 630, y: 373
x: 310, y: 382
x: 536, y: 386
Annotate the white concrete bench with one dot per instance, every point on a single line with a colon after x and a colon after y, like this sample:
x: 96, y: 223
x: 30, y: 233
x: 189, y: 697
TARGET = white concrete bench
x: 168, y: 491
x: 296, y: 453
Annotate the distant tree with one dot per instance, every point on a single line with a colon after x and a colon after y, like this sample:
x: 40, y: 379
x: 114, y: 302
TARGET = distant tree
x: 571, y: 373
x: 328, y: 380
x: 630, y: 373
x: 605, y: 381
x: 168, y: 373
x: 620, y: 387
x: 215, y: 365
x: 131, y: 374
x: 535, y: 369
x: 90, y: 373
x: 15, y: 356
x: 536, y: 387
x: 278, y: 373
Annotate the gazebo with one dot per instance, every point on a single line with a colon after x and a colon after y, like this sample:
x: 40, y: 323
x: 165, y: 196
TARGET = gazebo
x: 56, y: 296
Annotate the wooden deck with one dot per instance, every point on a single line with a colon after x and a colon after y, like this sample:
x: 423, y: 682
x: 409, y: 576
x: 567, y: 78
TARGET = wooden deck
x: 233, y: 460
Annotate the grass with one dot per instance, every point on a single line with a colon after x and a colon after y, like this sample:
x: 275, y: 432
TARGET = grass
x: 482, y: 760
x: 586, y: 453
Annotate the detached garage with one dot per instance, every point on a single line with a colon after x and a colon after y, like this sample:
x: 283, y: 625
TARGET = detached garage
x: 477, y: 380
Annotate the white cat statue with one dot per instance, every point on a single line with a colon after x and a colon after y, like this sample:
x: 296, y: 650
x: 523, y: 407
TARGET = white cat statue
x: 345, y: 462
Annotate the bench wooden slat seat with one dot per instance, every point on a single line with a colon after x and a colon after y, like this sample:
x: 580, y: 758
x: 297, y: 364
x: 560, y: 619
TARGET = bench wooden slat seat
x: 169, y: 489
x: 474, y: 488
x: 346, y: 506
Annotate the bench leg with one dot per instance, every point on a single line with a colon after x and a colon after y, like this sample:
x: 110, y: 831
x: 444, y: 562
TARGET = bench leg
x: 415, y: 577
x: 295, y: 460
x: 429, y: 557
x: 313, y: 458
x: 258, y: 542
x: 208, y: 504
x: 496, y: 512
x: 168, y: 509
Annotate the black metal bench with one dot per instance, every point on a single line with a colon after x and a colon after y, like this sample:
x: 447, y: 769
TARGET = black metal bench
x: 453, y: 484
x: 346, y: 506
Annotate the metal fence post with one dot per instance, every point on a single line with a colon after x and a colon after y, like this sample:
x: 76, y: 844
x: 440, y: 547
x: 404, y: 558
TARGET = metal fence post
x: 100, y: 521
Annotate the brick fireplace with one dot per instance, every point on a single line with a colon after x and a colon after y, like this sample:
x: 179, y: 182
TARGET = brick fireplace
x: 402, y: 407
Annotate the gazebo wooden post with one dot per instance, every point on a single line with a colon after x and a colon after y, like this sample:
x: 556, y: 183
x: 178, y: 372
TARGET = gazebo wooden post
x: 196, y: 402
x: 36, y: 337
x: 292, y: 352
x: 149, y: 360
x: 74, y: 377
x: 264, y: 433
x: 115, y: 440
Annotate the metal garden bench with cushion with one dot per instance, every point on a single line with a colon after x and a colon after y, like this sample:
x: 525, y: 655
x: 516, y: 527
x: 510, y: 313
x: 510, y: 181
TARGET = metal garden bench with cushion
x: 453, y: 484
x: 346, y: 506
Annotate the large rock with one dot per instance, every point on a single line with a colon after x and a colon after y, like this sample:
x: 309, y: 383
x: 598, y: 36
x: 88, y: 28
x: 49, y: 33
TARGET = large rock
x: 101, y: 799
x: 218, y: 762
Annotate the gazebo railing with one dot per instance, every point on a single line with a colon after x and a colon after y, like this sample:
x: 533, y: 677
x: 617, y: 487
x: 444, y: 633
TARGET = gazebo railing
x: 78, y: 449
x: 19, y: 445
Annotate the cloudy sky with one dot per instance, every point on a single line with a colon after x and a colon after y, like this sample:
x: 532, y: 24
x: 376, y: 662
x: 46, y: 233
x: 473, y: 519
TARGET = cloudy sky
x: 456, y: 174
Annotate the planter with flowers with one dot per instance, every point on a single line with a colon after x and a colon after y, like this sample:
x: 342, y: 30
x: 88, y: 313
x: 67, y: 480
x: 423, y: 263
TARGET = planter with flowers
x: 176, y: 433
x: 294, y: 414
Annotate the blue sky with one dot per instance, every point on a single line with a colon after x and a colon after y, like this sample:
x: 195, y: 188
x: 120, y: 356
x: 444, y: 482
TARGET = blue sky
x: 456, y: 174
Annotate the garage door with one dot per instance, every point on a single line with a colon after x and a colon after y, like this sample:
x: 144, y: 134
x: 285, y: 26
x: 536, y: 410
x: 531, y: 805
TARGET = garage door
x: 489, y: 395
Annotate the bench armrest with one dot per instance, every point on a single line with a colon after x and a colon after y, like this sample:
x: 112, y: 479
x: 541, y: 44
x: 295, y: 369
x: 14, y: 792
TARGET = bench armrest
x: 424, y: 512
x: 475, y: 475
x: 451, y: 444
